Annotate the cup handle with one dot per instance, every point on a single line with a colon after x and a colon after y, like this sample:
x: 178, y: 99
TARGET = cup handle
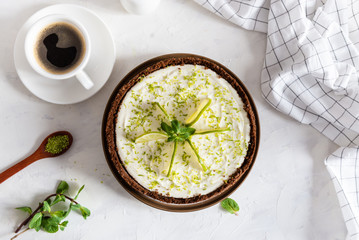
x: 84, y: 79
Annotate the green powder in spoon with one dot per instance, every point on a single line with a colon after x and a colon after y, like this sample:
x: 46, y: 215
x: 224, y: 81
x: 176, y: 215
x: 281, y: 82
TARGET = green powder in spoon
x: 57, y: 144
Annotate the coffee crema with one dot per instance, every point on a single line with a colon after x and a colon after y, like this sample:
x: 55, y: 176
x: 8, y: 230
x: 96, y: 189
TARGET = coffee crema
x: 59, y: 48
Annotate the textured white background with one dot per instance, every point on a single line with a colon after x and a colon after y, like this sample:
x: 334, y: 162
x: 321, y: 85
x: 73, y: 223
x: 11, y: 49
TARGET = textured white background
x: 288, y: 195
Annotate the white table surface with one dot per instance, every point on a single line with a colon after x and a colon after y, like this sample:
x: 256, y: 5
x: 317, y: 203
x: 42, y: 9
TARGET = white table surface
x: 288, y: 194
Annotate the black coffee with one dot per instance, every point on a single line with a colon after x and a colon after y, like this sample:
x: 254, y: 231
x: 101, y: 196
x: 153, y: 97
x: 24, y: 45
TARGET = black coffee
x: 59, y: 48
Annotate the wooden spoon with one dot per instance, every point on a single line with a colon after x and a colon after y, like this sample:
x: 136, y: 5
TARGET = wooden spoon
x: 40, y: 153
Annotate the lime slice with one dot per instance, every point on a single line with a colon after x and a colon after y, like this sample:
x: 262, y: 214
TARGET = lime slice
x: 193, y: 162
x: 172, y: 159
x: 217, y: 130
x: 151, y: 136
x: 163, y: 110
x: 197, y: 155
x: 204, y: 104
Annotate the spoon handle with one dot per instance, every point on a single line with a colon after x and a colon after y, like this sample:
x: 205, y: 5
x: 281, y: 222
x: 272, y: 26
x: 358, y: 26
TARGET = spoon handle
x: 19, y: 166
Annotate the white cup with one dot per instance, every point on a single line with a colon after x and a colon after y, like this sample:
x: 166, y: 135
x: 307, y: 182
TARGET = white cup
x: 32, y: 38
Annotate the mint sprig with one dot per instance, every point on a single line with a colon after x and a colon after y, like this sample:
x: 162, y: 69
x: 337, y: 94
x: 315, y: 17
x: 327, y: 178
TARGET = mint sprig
x: 46, y: 218
x: 176, y: 132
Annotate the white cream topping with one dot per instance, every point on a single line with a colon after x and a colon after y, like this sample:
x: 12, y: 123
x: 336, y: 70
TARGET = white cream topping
x: 179, y: 89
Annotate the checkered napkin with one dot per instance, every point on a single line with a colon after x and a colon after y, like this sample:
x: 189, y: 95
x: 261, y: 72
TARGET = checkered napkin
x: 311, y: 73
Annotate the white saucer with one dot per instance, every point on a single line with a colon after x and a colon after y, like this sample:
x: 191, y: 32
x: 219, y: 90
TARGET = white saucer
x: 70, y: 90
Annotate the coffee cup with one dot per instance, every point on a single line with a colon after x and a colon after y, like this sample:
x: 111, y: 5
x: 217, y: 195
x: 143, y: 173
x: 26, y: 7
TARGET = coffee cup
x: 58, y: 47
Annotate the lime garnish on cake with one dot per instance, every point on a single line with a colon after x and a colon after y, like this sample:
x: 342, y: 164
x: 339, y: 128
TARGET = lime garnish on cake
x: 217, y: 130
x: 163, y: 110
x: 203, y: 105
x: 197, y: 155
x: 177, y: 132
x: 151, y: 136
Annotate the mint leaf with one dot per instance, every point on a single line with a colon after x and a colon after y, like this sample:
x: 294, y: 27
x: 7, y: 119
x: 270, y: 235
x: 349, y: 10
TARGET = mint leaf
x: 50, y: 224
x: 46, y: 207
x: 78, y: 192
x: 63, y: 225
x: 191, y: 131
x: 175, y: 126
x: 68, y: 210
x: 35, y: 222
x: 186, y: 135
x: 62, y: 187
x: 59, y: 198
x: 175, y: 132
x: 172, y: 139
x: 85, y: 212
x: 58, y: 214
x: 75, y: 206
x: 166, y: 128
x: 230, y: 205
x: 49, y: 201
x: 25, y: 209
x: 51, y: 228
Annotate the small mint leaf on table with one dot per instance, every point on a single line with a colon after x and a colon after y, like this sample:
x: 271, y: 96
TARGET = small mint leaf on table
x: 25, y: 209
x: 62, y: 188
x: 230, y: 205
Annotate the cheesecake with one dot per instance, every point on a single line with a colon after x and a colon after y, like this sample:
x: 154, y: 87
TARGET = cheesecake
x: 197, y: 95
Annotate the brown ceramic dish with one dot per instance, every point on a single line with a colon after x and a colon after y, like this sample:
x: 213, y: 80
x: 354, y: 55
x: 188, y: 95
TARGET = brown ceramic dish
x: 109, y: 136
